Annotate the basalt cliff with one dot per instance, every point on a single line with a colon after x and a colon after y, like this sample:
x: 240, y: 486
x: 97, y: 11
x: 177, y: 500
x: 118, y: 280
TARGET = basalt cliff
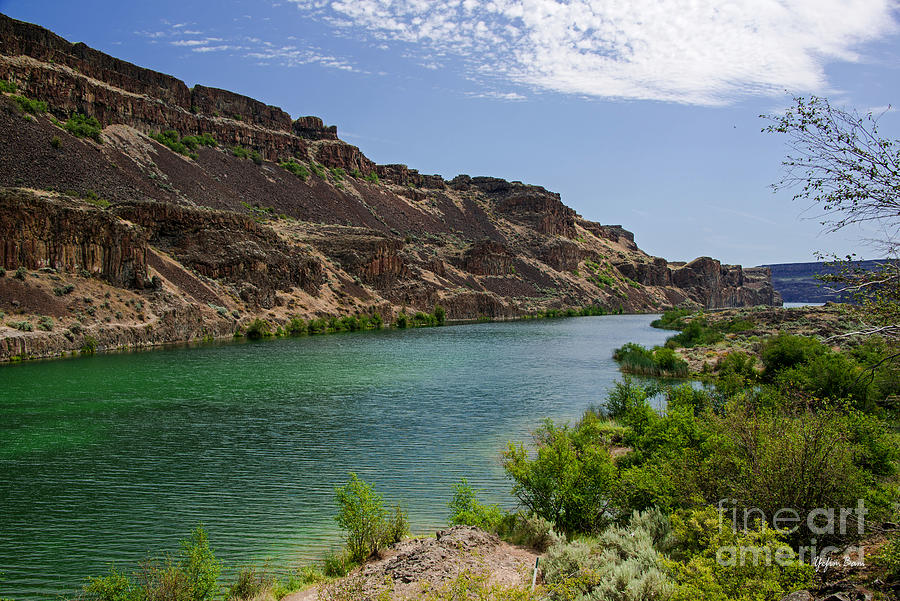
x: 125, y: 241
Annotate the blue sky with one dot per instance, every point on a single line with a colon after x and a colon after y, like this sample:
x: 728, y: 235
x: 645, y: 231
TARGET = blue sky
x: 643, y: 113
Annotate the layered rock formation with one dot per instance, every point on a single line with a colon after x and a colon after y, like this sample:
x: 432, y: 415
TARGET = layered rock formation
x: 234, y: 237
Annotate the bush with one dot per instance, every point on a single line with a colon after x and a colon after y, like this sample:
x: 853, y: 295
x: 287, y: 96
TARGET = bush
x: 55, y: 142
x: 528, y: 530
x: 115, y: 586
x: 296, y: 327
x: 258, y: 328
x: 786, y: 350
x: 888, y: 559
x: 190, y: 576
x: 707, y: 567
x: 373, y: 178
x: 27, y: 105
x: 295, y: 168
x: 45, y: 323
x: 318, y: 170
x: 89, y: 346
x: 658, y: 362
x: 402, y: 320
x: 336, y: 565
x: 696, y: 333
x: 440, y: 314
x: 362, y: 516
x: 673, y: 319
x: 621, y: 564
x: 251, y: 583
x: 466, y: 510
x: 21, y: 273
x: 24, y: 326
x: 569, y: 481
x: 82, y: 126
x: 2, y: 272
x: 8, y: 86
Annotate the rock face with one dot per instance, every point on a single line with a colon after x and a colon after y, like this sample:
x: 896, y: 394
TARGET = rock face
x: 227, y: 246
x: 251, y: 238
x: 59, y: 234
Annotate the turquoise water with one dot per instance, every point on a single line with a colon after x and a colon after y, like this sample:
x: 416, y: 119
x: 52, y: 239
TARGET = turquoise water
x: 107, y: 459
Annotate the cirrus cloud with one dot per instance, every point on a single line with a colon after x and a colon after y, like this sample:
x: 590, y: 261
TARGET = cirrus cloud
x: 687, y: 51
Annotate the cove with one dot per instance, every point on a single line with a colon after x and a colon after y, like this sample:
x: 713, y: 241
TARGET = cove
x: 107, y: 459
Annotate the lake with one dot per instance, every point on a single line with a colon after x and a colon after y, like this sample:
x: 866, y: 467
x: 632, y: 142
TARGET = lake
x: 111, y: 458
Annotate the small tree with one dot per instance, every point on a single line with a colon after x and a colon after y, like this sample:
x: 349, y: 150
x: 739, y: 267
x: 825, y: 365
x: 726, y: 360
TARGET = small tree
x: 841, y: 164
x: 362, y: 516
x: 570, y: 480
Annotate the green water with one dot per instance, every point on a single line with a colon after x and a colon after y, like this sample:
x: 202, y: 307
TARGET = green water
x: 106, y: 459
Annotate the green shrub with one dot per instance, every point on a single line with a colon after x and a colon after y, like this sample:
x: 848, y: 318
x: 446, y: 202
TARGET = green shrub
x: 93, y: 198
x: 172, y: 140
x: 296, y: 327
x: 528, y: 530
x: 8, y: 86
x: 115, y: 586
x: 336, y: 565
x: 707, y: 565
x: 2, y: 272
x: 27, y: 105
x: 251, y: 583
x: 295, y: 168
x: 89, y: 346
x: 568, y: 479
x: 621, y: 564
x: 45, y: 323
x: 337, y: 174
x: 246, y: 153
x: 888, y: 558
x: 82, y: 126
x: 21, y: 273
x: 55, y: 142
x: 362, y: 516
x: 204, y: 139
x: 465, y: 509
x: 660, y: 361
x: 318, y: 170
x: 373, y: 178
x: 696, y: 333
x: 402, y: 320
x: 258, y: 328
x: 24, y: 326
x: 440, y: 314
x: 356, y: 174
x: 473, y: 584
x: 786, y: 350
x: 190, y: 576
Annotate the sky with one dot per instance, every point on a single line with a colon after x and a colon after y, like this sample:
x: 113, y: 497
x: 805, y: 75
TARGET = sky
x: 644, y: 113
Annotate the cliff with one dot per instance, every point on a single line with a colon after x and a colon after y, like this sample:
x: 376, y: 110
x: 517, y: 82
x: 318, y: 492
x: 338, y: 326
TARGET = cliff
x: 224, y: 233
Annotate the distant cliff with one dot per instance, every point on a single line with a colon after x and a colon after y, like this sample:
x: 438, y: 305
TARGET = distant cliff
x: 801, y: 283
x: 274, y: 217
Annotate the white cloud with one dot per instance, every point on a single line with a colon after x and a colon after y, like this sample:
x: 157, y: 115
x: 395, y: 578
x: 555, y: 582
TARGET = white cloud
x: 697, y: 52
x: 508, y: 96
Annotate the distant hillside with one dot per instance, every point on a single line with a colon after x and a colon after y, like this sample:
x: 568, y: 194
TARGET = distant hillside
x: 797, y: 282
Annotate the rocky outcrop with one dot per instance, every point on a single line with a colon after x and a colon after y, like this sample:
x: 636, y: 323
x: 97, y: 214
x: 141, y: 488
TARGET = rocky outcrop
x: 487, y: 257
x: 70, y: 236
x: 229, y: 247
x: 716, y: 286
x: 561, y: 254
x: 655, y: 272
x: 314, y: 128
x: 373, y: 258
x: 213, y: 101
